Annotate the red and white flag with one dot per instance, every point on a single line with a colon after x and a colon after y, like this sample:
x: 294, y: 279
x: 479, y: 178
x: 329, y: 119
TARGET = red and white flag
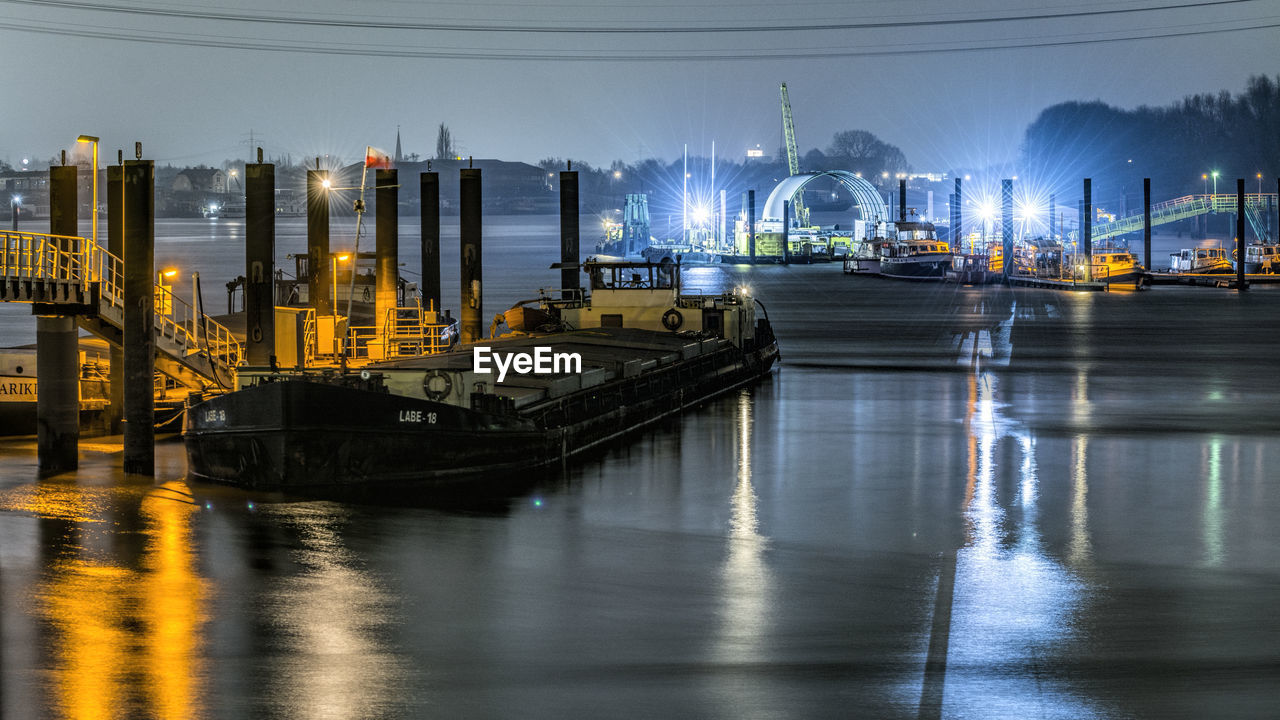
x: 375, y: 158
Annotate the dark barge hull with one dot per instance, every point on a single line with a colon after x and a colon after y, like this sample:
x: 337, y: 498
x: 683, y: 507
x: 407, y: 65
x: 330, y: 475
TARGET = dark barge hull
x: 305, y: 436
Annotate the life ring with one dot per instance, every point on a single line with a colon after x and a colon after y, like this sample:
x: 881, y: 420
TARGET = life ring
x: 437, y: 391
x: 672, y: 319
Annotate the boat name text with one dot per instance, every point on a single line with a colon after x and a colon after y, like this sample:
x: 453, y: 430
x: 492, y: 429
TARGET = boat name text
x: 542, y: 361
x: 417, y: 416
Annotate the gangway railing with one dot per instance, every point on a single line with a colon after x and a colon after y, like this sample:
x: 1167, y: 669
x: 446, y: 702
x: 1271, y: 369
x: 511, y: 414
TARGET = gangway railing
x: 202, y: 346
x: 408, y: 331
x: 1188, y: 206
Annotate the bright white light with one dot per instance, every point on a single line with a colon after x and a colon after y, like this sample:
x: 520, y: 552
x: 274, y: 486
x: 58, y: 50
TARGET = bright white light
x: 986, y: 210
x: 1030, y: 210
x: 701, y: 214
x: 325, y: 183
x: 17, y: 199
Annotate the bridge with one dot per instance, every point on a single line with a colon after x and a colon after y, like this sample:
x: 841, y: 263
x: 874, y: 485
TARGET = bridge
x: 76, y: 276
x: 864, y: 194
x: 1189, y: 206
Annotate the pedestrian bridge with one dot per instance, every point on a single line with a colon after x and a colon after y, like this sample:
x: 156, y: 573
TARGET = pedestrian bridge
x: 79, y: 277
x: 1189, y: 206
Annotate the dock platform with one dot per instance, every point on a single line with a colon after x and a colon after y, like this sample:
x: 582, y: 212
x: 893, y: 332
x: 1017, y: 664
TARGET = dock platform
x: 1055, y: 283
x: 1221, y: 280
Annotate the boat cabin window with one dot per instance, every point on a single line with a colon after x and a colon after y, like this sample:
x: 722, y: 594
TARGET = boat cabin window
x: 639, y: 276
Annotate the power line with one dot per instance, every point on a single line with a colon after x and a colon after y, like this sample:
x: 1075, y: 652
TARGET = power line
x: 603, y: 29
x: 821, y: 52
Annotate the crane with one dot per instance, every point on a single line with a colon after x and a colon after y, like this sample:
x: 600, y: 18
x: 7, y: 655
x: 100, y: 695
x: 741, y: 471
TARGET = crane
x: 793, y: 158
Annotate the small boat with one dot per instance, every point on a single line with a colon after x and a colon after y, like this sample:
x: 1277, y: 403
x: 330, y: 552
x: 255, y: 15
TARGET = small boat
x: 644, y: 351
x: 1261, y: 259
x: 915, y: 254
x: 1202, y: 261
x: 976, y: 263
x: 1114, y: 266
x: 863, y: 257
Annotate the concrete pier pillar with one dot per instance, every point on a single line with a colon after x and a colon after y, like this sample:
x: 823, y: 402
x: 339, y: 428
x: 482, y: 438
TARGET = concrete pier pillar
x: 1006, y: 224
x: 386, y: 188
x: 751, y: 224
x: 469, y: 205
x: 1240, y: 245
x: 1086, y: 238
x: 430, y: 184
x: 902, y: 200
x: 115, y: 246
x: 569, y: 231
x: 58, y: 349
x: 139, y: 317
x: 957, y: 230
x: 318, y: 280
x: 259, y: 263
x: 1146, y: 223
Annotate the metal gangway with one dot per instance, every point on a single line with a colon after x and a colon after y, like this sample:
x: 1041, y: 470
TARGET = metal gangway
x: 83, y: 279
x: 1188, y: 206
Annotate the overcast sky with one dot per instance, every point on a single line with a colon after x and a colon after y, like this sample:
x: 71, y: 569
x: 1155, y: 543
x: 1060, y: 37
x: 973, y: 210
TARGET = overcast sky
x: 192, y: 79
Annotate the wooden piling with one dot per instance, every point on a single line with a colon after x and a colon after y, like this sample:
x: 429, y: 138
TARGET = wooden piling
x: 751, y: 224
x: 1087, y: 234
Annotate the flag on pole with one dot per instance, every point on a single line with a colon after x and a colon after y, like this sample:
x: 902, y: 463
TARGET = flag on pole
x: 375, y: 158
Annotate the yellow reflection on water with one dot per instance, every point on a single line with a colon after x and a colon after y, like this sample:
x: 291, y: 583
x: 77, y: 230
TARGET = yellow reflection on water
x: 746, y: 578
x: 124, y: 641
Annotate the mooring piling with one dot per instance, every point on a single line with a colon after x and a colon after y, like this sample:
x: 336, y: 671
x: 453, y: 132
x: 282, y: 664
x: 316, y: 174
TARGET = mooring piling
x: 1006, y: 224
x: 469, y: 211
x: 58, y: 347
x: 318, y: 243
x: 386, y: 190
x: 259, y: 260
x: 429, y: 183
x: 139, y: 320
x: 569, y: 233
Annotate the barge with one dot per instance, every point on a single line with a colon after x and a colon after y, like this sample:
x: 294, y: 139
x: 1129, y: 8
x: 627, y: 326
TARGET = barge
x: 645, y: 351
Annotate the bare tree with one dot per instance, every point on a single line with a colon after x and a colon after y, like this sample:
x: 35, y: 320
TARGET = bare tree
x: 444, y: 144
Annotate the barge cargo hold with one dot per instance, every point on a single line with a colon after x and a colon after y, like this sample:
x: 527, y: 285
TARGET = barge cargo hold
x: 647, y: 352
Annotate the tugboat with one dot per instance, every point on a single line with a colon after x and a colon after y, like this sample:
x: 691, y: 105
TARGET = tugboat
x: 1109, y: 266
x: 581, y: 369
x: 1261, y: 259
x: 1202, y: 261
x: 916, y: 254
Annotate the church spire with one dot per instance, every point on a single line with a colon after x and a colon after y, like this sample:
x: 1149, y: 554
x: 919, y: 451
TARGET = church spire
x: 398, y: 156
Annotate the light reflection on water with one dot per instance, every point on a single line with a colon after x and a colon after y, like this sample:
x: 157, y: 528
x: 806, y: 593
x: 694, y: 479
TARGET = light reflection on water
x: 1013, y: 604
x: 124, y: 638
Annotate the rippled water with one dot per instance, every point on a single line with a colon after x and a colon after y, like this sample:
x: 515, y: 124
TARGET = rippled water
x: 947, y: 502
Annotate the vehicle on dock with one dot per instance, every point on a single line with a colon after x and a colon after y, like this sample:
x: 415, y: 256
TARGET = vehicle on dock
x: 976, y: 262
x: 1261, y: 259
x: 644, y: 349
x: 915, y: 254
x: 1202, y: 261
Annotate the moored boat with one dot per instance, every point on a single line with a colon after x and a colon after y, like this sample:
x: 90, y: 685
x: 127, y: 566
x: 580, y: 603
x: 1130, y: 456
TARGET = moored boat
x: 976, y: 263
x: 644, y: 351
x: 1205, y: 260
x: 1261, y: 259
x: 916, y: 254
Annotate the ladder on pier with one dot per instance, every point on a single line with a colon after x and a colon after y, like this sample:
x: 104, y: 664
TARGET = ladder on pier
x: 79, y: 277
x: 1189, y: 206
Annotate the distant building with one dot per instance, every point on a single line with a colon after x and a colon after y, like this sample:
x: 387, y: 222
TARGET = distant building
x: 200, y: 180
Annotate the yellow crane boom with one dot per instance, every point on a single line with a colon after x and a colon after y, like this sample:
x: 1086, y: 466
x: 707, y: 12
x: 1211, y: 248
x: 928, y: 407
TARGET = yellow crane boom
x: 793, y: 158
